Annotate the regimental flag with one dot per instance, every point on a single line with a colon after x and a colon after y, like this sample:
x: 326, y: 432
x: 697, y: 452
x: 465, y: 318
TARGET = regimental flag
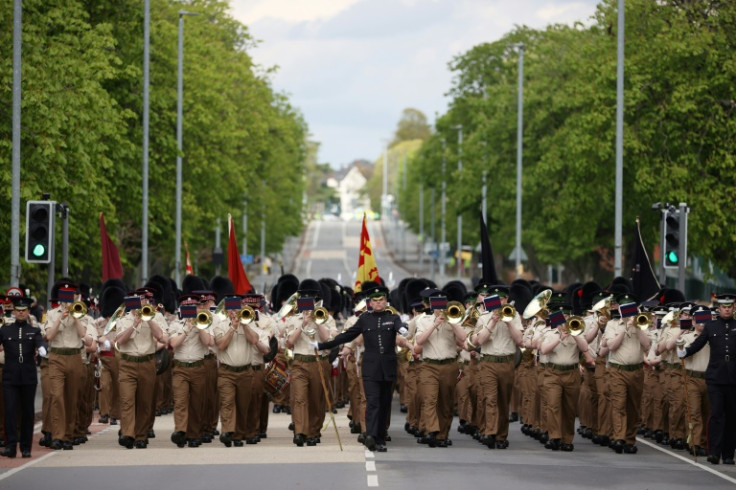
x: 491, y: 303
x: 305, y: 304
x: 556, y: 318
x: 234, y: 266
x: 628, y: 309
x: 702, y: 316
x: 233, y: 302
x: 367, y: 269
x: 188, y: 262
x: 132, y: 303
x: 111, y: 266
x: 643, y: 279
x: 188, y: 311
x: 486, y: 255
x: 437, y: 303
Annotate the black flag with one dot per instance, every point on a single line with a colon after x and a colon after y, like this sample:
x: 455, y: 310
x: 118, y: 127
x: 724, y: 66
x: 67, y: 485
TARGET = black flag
x: 486, y: 255
x: 643, y: 279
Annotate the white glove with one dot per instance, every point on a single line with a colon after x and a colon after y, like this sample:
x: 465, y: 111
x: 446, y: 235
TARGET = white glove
x: 314, y: 344
x: 403, y: 331
x: 106, y: 345
x: 681, y: 352
x: 42, y: 351
x: 336, y: 362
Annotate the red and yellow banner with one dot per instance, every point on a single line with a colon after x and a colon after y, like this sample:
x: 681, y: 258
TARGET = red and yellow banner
x: 367, y: 269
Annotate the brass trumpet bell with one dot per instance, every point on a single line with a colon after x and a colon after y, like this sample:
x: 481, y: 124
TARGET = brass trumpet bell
x: 455, y: 312
x: 247, y: 315
x: 77, y: 309
x: 203, y: 320
x: 147, y: 313
x: 537, y: 304
x: 320, y: 315
x: 289, y: 307
x: 643, y: 321
x: 575, y: 325
x: 508, y: 312
x: 603, y: 307
x: 112, y: 322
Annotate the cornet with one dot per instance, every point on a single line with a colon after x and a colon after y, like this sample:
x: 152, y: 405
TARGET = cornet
x: 203, y: 319
x: 455, y: 312
x: 77, y: 309
x: 247, y: 315
x: 643, y: 321
x: 575, y: 325
x: 147, y: 312
x: 508, y: 312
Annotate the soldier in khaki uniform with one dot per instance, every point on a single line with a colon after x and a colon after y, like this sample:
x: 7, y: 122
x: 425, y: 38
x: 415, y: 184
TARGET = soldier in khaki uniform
x: 562, y: 385
x: 440, y: 341
x: 697, y: 390
x: 136, y: 338
x: 674, y: 380
x: 265, y: 327
x: 498, y: 340
x: 66, y: 336
x: 191, y: 342
x: 623, y: 341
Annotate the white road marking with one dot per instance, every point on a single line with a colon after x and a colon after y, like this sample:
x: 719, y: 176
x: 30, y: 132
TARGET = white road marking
x: 315, y: 236
x: 688, y: 460
x: 369, y: 454
x: 27, y: 465
x: 370, y: 466
x: 372, y: 480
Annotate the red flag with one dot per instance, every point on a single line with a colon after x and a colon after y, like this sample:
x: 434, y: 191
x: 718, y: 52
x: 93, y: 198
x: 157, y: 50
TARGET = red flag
x: 190, y: 269
x: 234, y: 266
x: 367, y: 269
x: 111, y: 266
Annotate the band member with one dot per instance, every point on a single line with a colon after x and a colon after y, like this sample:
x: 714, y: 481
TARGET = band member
x: 497, y: 339
x: 190, y: 337
x: 136, y: 338
x: 234, y: 340
x: 674, y: 379
x: 381, y: 334
x: 697, y: 390
x: 265, y: 327
x: 111, y: 299
x: 67, y: 334
x: 563, y: 344
x: 307, y: 395
x: 440, y: 341
x: 624, y: 341
x: 19, y: 341
x: 720, y: 378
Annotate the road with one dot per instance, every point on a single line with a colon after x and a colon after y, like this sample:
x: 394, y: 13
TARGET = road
x: 330, y: 249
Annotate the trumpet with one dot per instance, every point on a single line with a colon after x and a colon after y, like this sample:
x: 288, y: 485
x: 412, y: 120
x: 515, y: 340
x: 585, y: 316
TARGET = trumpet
x: 247, y: 315
x: 147, y: 312
x: 643, y: 321
x: 575, y: 325
x: 203, y: 320
x: 77, y: 309
x: 455, y: 312
x: 320, y: 315
x: 508, y: 312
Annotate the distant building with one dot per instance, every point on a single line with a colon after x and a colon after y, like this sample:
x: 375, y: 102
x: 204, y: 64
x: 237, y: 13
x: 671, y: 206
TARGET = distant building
x: 349, y: 182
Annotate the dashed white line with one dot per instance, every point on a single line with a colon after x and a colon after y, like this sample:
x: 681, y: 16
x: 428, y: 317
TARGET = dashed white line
x: 27, y: 465
x: 688, y: 460
x: 372, y: 480
x: 370, y: 466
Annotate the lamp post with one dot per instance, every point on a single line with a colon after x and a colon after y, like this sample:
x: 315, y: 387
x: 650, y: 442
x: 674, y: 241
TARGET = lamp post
x: 179, y: 103
x: 519, y: 135
x: 619, y: 140
x: 440, y: 248
x: 146, y: 102
x: 459, y: 128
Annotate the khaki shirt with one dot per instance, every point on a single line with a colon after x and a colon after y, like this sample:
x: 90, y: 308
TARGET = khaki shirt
x: 540, y: 330
x: 654, y: 335
x: 265, y: 327
x: 191, y: 349
x: 239, y: 351
x: 141, y: 342
x: 670, y: 356
x: 500, y: 343
x: 591, y: 322
x: 67, y: 336
x: 629, y: 352
x: 349, y: 323
x: 441, y: 343
x: 301, y: 346
x: 698, y: 361
x: 566, y: 353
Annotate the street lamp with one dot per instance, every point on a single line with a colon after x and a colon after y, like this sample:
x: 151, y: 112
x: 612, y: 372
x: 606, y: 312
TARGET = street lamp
x: 459, y: 128
x: 179, y: 97
x: 519, y: 135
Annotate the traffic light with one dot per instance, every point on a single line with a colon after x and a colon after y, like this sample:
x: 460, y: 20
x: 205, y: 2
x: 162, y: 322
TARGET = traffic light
x: 672, y: 237
x: 40, y: 226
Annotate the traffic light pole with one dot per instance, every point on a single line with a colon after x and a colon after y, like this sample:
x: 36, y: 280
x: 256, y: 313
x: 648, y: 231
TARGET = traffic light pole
x: 52, y: 260
x: 64, y: 212
x: 682, y: 252
x: 662, y: 232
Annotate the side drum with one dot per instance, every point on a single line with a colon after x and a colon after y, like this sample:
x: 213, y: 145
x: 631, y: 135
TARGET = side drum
x: 276, y: 378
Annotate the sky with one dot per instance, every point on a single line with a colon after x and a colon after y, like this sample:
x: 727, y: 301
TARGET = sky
x: 352, y: 66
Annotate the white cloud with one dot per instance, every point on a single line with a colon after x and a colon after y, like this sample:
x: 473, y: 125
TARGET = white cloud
x: 352, y: 66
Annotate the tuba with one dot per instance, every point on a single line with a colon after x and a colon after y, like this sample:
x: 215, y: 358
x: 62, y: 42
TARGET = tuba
x: 112, y: 322
x: 77, y: 309
x: 575, y: 325
x: 603, y: 307
x: 289, y: 307
x: 538, y: 305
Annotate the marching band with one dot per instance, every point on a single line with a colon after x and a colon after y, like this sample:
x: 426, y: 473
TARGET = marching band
x: 624, y: 368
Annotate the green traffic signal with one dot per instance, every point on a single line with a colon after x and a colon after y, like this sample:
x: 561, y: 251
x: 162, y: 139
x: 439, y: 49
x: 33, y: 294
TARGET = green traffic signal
x: 39, y: 250
x: 672, y: 257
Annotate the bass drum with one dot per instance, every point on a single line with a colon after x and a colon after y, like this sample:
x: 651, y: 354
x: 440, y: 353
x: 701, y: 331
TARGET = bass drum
x: 275, y: 379
x: 163, y: 359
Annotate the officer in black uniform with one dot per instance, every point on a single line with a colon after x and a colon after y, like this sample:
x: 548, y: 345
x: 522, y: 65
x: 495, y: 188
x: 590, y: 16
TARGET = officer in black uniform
x: 381, y: 331
x: 20, y: 341
x: 720, y: 377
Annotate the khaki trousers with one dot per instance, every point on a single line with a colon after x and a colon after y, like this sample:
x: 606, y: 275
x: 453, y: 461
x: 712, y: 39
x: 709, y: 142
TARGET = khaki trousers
x: 402, y: 368
x: 46, y: 423
x: 188, y: 385
x: 589, y: 404
x: 676, y: 400
x: 605, y: 424
x: 235, y: 389
x: 527, y: 387
x: 462, y: 392
x: 697, y: 392
x: 357, y: 397
x: 65, y: 374
x: 651, y: 379
x: 307, y: 398
x: 109, y: 395
x: 497, y: 379
x: 412, y: 406
x: 86, y: 404
x: 625, y: 392
x: 137, y: 385
x: 562, y: 389
x: 253, y: 424
x: 438, y: 395
x: 212, y: 410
